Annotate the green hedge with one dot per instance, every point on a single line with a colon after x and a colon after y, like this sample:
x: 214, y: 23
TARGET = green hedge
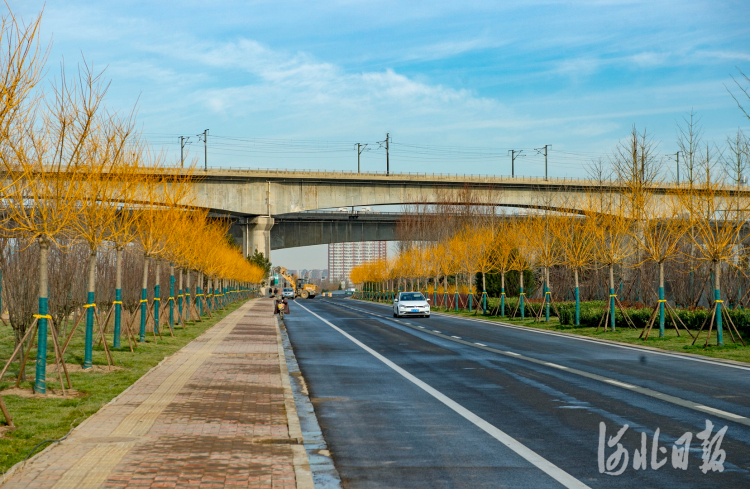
x: 592, y: 312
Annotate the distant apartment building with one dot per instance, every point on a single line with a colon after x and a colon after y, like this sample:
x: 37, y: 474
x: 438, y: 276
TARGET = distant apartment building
x: 342, y: 257
x: 318, y: 274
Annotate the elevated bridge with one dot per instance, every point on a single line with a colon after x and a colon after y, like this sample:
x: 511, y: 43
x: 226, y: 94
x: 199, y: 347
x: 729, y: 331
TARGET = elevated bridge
x: 258, y: 199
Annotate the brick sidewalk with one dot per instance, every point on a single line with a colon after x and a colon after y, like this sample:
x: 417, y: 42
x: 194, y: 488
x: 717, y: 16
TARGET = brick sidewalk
x: 213, y: 414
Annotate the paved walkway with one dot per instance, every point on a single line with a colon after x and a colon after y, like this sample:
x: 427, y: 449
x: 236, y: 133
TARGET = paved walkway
x: 218, y: 413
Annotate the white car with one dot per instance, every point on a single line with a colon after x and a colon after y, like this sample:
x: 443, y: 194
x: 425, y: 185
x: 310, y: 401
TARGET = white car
x: 288, y: 292
x: 411, y: 304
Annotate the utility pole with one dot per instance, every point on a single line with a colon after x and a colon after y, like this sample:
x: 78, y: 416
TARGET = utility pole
x: 513, y: 157
x: 183, y: 142
x: 677, y: 155
x: 360, y: 149
x: 538, y: 150
x: 387, y: 152
x: 204, y: 135
x: 387, y: 155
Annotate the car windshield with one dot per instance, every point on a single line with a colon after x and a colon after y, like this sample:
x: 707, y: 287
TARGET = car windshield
x: 412, y: 297
x: 287, y: 290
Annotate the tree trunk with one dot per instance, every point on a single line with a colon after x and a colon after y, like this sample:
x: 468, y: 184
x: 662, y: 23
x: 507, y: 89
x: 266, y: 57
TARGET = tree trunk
x: 88, y: 349
x: 612, y: 296
x: 40, y: 381
x: 661, y: 299
x: 118, y: 297
x: 157, y: 296
x: 187, y: 296
x: 520, y: 295
x: 718, y: 303
x: 144, y: 298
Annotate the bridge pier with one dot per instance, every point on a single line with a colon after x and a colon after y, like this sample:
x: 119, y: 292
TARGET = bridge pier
x: 256, y: 235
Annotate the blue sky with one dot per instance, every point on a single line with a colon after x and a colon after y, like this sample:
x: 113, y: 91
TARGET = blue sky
x: 286, y: 84
x: 463, y: 81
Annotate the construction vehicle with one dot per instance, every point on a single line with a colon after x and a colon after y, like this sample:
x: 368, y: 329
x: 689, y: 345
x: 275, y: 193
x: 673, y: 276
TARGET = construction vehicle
x: 301, y: 289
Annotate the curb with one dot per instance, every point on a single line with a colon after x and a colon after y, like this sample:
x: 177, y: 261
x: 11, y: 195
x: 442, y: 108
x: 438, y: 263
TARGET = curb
x: 302, y: 471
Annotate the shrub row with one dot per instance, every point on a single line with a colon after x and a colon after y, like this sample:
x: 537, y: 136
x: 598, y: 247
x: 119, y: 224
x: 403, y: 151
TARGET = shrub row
x: 592, y: 312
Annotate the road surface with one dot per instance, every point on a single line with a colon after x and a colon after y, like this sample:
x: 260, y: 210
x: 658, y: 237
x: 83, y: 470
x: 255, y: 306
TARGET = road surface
x: 449, y: 402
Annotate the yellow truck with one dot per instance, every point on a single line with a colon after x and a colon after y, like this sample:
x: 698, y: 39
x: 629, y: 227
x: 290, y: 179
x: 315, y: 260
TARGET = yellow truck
x: 301, y: 289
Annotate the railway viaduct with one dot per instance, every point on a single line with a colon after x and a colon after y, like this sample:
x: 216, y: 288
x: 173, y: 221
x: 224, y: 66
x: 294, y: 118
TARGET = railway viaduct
x: 272, y: 208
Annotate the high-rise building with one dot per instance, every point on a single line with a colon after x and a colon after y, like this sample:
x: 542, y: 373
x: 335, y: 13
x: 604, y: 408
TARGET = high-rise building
x: 342, y: 257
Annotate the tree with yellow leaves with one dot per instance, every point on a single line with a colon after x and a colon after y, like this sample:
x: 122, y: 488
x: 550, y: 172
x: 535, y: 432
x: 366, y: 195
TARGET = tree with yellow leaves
x: 541, y: 241
x: 40, y: 156
x: 578, y: 250
x: 103, y: 177
x: 612, y: 239
x: 717, y: 216
x: 659, y: 236
x: 502, y: 253
x: 522, y: 255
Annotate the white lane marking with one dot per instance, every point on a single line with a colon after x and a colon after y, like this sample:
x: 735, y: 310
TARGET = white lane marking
x: 556, y: 365
x: 642, y: 390
x: 457, y: 337
x: 620, y: 384
x: 480, y: 344
x: 718, y: 411
x: 435, y: 331
x: 599, y: 343
x: 531, y: 456
x: 595, y: 342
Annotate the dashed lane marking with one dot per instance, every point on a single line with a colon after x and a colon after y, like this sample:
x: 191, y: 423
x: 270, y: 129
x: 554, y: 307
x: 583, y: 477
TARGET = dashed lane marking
x: 529, y: 455
x: 620, y: 384
x: 600, y: 378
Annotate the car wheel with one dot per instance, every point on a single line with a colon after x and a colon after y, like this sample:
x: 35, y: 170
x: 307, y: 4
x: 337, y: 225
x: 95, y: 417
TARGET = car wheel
x: 395, y: 315
x: 427, y: 316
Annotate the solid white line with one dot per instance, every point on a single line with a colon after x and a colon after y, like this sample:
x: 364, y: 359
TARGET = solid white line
x: 718, y: 411
x: 633, y: 388
x: 534, y: 458
x: 620, y: 384
x: 595, y: 342
x: 599, y: 343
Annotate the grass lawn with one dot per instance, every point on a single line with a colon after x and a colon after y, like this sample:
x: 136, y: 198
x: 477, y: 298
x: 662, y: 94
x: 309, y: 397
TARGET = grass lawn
x: 670, y: 341
x: 51, y: 418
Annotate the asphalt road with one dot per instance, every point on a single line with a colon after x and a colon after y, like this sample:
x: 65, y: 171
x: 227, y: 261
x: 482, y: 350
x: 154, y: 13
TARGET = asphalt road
x: 450, y: 402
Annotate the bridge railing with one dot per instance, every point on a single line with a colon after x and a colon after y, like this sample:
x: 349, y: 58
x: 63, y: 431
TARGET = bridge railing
x: 381, y: 174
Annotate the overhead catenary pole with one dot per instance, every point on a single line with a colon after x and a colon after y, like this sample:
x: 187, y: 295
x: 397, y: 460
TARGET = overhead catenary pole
x: 513, y: 155
x: 183, y: 141
x: 539, y: 150
x: 387, y: 155
x: 204, y: 135
x: 360, y: 149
